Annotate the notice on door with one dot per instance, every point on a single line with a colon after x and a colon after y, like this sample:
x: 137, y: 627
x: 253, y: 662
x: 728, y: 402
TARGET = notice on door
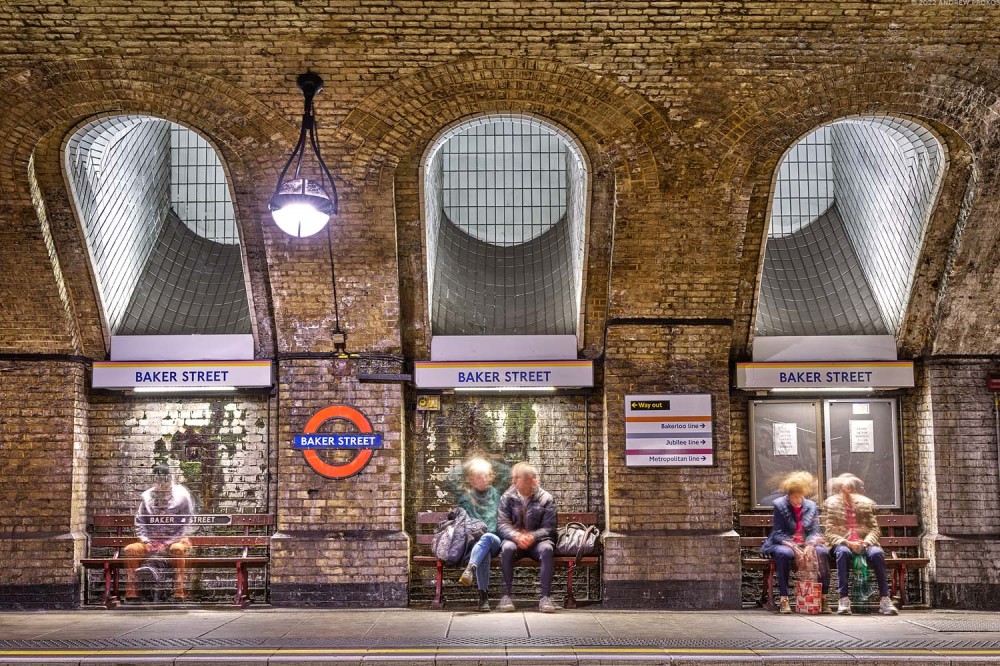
x: 862, y: 436
x: 669, y: 430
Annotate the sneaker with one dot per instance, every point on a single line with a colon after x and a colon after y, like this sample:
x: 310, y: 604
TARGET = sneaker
x: 484, y: 601
x: 844, y: 607
x: 468, y: 575
x: 885, y: 607
x: 506, y: 605
x: 784, y: 607
x: 824, y: 606
x: 545, y: 605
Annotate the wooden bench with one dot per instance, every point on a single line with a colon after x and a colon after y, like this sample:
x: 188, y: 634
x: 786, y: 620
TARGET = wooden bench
x: 428, y: 520
x: 899, y: 546
x: 114, y: 532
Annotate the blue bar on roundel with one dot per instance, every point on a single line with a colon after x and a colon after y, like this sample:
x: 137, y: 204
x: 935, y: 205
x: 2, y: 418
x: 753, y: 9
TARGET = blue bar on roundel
x: 340, y: 440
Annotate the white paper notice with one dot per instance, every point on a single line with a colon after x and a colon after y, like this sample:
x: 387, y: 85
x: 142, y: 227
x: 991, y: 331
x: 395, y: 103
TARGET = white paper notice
x: 862, y: 436
x: 786, y: 439
x: 861, y: 408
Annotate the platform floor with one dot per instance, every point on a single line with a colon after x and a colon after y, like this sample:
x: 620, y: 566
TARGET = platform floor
x: 588, y: 636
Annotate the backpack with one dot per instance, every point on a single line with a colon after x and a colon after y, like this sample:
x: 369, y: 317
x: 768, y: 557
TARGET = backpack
x: 577, y: 540
x: 455, y: 535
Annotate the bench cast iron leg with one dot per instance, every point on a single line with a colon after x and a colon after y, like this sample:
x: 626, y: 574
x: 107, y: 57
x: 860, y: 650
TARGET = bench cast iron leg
x: 439, y: 599
x: 767, y: 590
x: 242, y: 585
x: 570, y: 599
x: 107, y: 586
x: 902, y: 585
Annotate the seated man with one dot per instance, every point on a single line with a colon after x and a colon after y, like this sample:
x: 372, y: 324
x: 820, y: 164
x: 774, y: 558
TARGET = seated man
x: 851, y: 528
x: 526, y: 521
x: 165, y: 498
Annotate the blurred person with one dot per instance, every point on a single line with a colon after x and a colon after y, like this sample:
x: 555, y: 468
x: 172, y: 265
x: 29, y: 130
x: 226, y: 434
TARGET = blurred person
x: 526, y: 521
x: 481, y: 501
x: 795, y: 526
x: 165, y: 498
x: 852, y: 529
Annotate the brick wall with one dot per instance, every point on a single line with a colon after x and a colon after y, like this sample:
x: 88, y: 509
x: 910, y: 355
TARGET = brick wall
x: 340, y: 542
x: 43, y: 462
x: 672, y: 542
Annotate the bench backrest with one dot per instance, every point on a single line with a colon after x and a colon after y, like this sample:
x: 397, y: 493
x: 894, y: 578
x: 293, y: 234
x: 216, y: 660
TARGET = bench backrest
x: 428, y: 520
x: 118, y: 530
x: 895, y: 528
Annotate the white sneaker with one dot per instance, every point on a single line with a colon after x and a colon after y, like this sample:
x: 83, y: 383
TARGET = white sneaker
x: 885, y: 607
x: 844, y: 606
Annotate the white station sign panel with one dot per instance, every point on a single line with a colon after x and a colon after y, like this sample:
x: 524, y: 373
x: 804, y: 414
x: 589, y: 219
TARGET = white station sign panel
x: 672, y: 430
x: 504, y: 374
x: 871, y: 374
x: 171, y: 374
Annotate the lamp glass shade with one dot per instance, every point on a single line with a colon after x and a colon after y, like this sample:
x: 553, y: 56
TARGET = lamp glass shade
x: 301, y: 208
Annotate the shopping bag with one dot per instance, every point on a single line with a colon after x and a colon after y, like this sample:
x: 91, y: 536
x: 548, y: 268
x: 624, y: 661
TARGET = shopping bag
x: 808, y: 597
x: 863, y: 589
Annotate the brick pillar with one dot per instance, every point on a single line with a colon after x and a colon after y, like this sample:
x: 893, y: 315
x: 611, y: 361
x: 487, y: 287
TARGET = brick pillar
x: 43, y: 444
x: 339, y: 542
x: 964, y: 484
x: 670, y: 542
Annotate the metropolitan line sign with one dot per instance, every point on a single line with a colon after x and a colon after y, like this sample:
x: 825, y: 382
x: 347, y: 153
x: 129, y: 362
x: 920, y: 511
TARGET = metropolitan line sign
x: 673, y: 430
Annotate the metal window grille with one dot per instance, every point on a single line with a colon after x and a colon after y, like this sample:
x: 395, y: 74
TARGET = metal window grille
x: 850, y: 206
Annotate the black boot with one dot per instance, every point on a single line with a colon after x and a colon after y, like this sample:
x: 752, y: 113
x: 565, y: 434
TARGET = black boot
x: 484, y: 601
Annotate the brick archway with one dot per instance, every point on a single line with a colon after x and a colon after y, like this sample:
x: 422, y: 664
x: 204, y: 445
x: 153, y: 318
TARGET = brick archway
x: 47, y: 102
x: 625, y: 139
x: 958, y: 103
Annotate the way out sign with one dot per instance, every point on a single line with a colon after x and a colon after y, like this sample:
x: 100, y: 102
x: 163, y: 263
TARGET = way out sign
x: 363, y: 442
x: 669, y: 431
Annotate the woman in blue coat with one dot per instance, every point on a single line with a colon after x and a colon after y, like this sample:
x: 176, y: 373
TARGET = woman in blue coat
x: 794, y: 525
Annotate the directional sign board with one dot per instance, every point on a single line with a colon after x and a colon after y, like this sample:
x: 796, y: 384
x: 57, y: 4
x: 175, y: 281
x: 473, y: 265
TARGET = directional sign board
x: 669, y: 431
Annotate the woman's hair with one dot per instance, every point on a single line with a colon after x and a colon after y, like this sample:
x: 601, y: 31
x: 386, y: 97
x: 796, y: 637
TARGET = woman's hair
x: 479, y: 466
x: 839, y: 483
x: 801, y: 483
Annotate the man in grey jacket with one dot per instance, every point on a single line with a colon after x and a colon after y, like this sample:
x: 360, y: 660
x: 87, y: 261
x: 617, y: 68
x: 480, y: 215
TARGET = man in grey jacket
x: 526, y: 521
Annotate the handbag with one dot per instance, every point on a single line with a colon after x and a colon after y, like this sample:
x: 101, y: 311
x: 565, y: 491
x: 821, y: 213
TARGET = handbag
x: 808, y: 597
x: 455, y: 535
x: 578, y: 540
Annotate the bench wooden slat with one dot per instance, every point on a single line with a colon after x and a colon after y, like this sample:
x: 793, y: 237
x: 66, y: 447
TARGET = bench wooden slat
x: 884, y: 520
x: 234, y: 540
x: 199, y: 562
x: 237, y: 519
x: 755, y: 520
x: 431, y: 517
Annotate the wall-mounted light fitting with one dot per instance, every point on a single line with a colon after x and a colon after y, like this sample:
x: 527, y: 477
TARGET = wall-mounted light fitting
x: 302, y: 206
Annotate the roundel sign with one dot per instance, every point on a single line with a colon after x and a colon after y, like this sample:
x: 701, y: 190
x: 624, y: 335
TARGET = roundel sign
x: 363, y: 443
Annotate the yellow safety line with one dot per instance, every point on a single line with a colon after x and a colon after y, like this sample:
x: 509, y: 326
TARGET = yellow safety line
x: 513, y: 650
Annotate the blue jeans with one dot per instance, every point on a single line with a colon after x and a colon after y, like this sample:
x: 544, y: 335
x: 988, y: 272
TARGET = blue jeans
x: 876, y: 560
x: 785, y: 556
x: 485, y: 549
